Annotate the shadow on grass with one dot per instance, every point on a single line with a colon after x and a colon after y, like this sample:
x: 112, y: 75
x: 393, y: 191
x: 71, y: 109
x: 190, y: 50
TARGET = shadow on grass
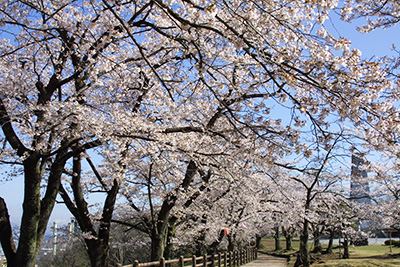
x: 279, y: 255
x: 383, y: 257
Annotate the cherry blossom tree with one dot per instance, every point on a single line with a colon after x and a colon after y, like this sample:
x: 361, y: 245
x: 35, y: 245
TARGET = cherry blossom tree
x: 96, y: 235
x: 192, y: 203
x: 313, y: 180
x: 225, y: 219
x: 55, y: 105
x: 381, y: 132
x: 384, y: 212
x: 194, y: 77
x: 378, y: 14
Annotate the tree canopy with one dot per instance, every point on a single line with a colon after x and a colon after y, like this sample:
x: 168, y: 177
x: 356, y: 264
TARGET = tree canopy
x: 205, y: 102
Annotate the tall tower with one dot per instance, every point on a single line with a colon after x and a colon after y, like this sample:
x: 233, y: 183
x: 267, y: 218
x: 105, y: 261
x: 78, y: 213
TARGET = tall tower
x: 359, y: 187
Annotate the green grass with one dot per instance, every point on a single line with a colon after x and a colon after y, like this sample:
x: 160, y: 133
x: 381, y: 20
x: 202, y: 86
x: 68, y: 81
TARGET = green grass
x: 359, y: 263
x: 268, y: 246
x: 364, y: 256
x: 372, y: 250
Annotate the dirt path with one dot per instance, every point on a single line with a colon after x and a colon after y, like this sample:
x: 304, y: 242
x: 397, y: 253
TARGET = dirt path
x: 267, y: 261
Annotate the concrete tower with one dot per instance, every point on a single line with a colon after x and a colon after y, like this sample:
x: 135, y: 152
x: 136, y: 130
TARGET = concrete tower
x: 359, y: 187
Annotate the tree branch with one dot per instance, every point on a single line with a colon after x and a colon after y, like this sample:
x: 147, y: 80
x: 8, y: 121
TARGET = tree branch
x: 9, y: 132
x: 6, y: 238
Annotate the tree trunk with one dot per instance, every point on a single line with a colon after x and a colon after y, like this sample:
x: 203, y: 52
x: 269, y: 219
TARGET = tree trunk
x: 52, y: 189
x: 288, y: 239
x: 258, y: 241
x: 288, y: 234
x: 157, y: 248
x: 303, y: 257
x: 98, y: 252
x: 330, y: 244
x: 6, y: 237
x: 317, y: 241
x: 27, y: 246
x: 200, y: 249
x: 213, y: 248
x: 159, y: 232
x: 168, y: 246
x: 289, y: 245
x: 159, y: 241
x: 199, y: 243
x: 277, y: 237
x: 36, y: 210
x: 346, y: 254
x: 231, y: 243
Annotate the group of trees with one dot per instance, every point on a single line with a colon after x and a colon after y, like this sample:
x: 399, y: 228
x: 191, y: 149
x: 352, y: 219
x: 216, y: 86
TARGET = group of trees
x: 190, y: 117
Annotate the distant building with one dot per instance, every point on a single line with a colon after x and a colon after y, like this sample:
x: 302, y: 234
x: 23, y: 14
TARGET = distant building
x: 359, y: 186
x: 73, y: 226
x: 359, y: 189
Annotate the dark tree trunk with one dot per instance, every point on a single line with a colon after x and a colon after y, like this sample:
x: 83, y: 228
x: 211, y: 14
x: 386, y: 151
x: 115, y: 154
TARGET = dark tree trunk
x: 289, y: 245
x: 98, y: 251
x: 231, y: 243
x: 200, y: 247
x: 36, y: 210
x: 277, y: 237
x: 346, y: 254
x: 303, y: 257
x: 201, y: 250
x: 100, y: 256
x: 258, y: 241
x: 288, y: 234
x: 159, y: 232
x: 27, y: 248
x: 6, y: 237
x: 97, y: 245
x: 168, y: 246
x: 329, y: 249
x: 158, y: 242
x: 213, y: 248
x: 317, y: 241
x: 52, y: 190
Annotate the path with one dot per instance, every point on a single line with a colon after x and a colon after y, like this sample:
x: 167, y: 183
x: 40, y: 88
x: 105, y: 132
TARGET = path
x: 267, y: 261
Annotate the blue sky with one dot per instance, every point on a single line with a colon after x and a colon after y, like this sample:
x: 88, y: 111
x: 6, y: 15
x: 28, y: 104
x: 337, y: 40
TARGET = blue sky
x: 376, y: 43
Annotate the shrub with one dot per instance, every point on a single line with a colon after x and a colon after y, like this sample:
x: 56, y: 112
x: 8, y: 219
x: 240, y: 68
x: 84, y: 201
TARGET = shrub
x: 395, y: 243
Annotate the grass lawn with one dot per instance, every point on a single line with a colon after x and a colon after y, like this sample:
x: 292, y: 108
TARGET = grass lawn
x: 268, y: 245
x: 364, y: 256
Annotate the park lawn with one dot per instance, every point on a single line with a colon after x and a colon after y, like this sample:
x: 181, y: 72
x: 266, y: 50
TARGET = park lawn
x: 268, y: 246
x: 364, y: 256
